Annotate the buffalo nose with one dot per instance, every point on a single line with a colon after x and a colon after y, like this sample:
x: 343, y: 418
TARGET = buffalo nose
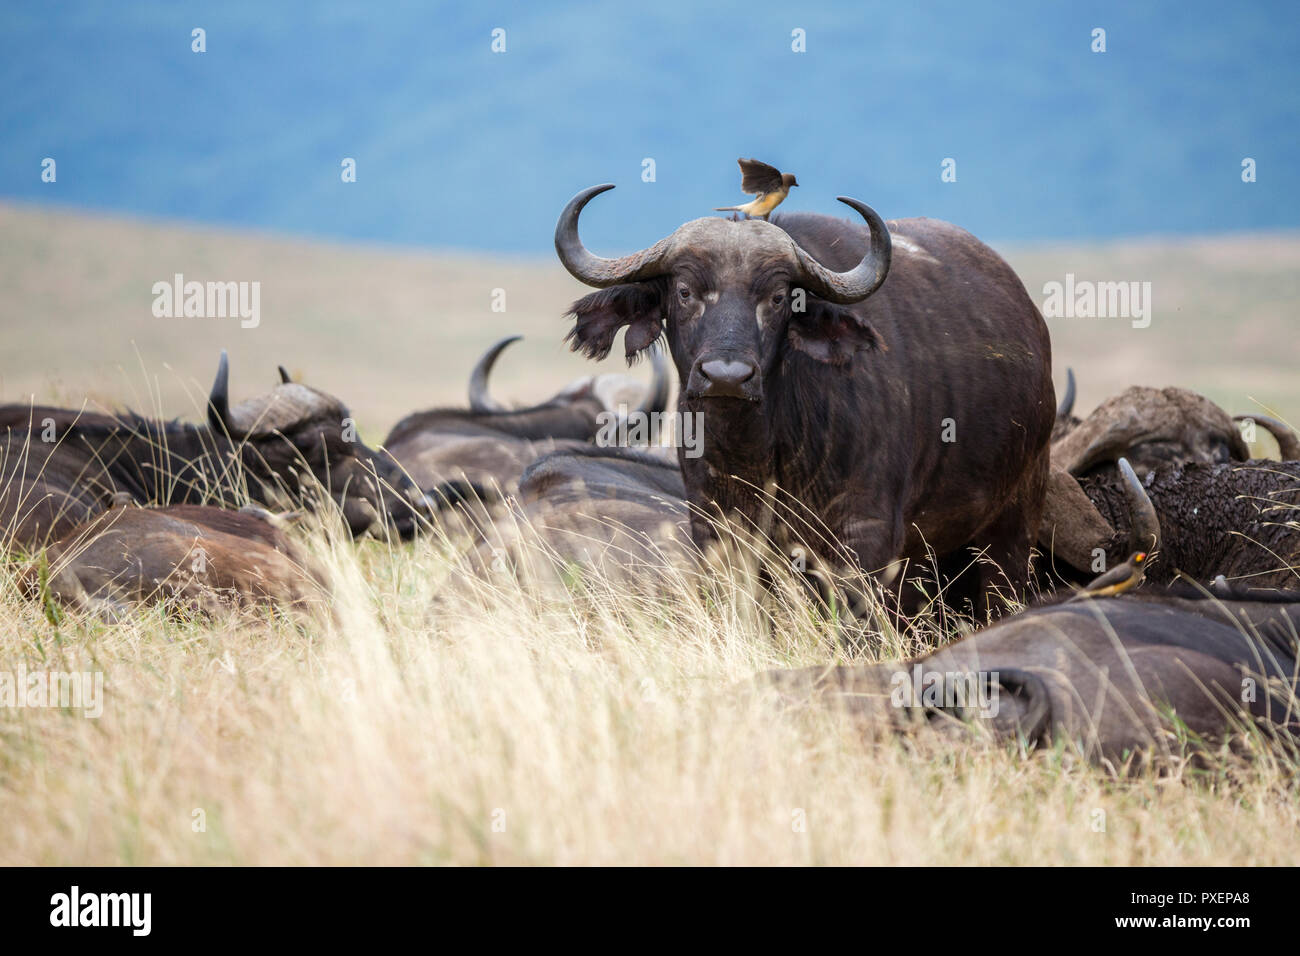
x: 721, y: 372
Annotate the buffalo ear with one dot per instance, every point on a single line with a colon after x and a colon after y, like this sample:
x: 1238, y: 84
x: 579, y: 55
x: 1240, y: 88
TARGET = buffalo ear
x: 599, y: 316
x: 831, y: 333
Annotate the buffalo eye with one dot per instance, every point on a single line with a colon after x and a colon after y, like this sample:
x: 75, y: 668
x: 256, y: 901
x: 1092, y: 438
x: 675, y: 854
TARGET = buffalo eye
x: 777, y: 299
x: 684, y: 293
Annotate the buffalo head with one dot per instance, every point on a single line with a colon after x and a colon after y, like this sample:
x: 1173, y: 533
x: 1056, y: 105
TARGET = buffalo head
x: 732, y: 297
x: 295, y: 429
x: 1152, y: 427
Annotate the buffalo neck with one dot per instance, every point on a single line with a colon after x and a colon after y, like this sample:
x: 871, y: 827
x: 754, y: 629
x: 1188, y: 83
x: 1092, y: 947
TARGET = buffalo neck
x: 735, y: 463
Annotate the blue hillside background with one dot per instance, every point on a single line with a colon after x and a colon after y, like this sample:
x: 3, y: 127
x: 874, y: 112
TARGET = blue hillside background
x: 460, y: 147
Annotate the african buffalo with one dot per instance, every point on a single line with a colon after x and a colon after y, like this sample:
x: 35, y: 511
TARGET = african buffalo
x: 1155, y: 429
x: 59, y: 467
x: 1110, y: 677
x: 190, y: 557
x: 904, y: 402
x: 1239, y: 520
x: 620, y: 510
x: 481, y: 451
x: 1152, y: 428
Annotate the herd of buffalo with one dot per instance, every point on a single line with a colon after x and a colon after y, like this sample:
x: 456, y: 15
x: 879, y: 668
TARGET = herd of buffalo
x: 875, y: 398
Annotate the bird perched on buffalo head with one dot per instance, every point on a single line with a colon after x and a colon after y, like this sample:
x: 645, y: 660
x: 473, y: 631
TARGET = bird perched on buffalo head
x: 767, y: 182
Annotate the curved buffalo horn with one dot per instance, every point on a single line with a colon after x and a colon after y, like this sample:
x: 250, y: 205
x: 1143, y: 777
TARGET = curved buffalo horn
x: 219, y: 399
x: 1144, y: 530
x: 846, y: 288
x: 1067, y: 403
x: 285, y: 377
x: 656, y: 397
x: 479, y: 398
x: 1288, y: 444
x: 591, y: 269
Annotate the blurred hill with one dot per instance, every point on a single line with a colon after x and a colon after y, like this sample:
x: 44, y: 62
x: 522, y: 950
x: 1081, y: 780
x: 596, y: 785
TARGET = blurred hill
x: 394, y: 330
x: 460, y: 148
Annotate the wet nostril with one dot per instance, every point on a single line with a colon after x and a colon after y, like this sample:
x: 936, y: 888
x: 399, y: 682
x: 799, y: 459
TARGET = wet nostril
x: 723, y: 372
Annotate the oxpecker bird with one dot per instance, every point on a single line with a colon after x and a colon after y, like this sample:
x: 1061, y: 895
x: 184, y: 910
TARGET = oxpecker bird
x: 767, y: 182
x: 1121, y: 578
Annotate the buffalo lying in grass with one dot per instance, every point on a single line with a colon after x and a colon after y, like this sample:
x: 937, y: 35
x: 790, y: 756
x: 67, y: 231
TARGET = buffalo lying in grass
x: 480, y: 452
x: 621, y: 511
x: 1240, y: 521
x: 188, y: 557
x: 1159, y: 431
x: 59, y: 467
x: 1152, y: 428
x: 1112, y: 678
x: 1155, y: 428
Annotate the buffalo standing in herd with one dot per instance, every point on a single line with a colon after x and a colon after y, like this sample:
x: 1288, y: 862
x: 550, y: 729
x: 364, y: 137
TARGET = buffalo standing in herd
x: 877, y: 396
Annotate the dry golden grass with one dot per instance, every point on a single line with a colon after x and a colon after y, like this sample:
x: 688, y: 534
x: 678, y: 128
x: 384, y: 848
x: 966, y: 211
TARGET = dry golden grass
x: 449, y: 719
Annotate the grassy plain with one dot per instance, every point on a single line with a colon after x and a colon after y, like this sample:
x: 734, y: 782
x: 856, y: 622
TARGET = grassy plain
x: 444, y: 719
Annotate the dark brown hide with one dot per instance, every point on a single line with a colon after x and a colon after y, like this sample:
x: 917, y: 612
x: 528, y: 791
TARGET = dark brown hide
x: 190, y: 557
x: 622, y: 511
x: 1107, y: 676
x: 893, y: 406
x: 59, y: 467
